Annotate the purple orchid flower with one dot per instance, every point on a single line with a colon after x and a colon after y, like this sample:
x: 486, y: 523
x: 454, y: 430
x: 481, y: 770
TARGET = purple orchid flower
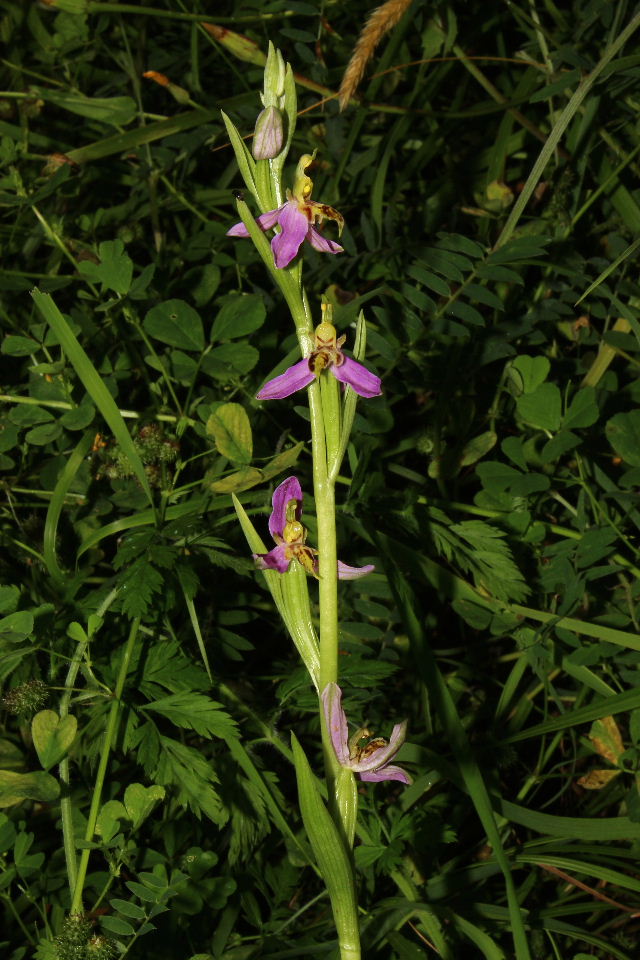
x: 290, y: 535
x: 327, y: 355
x: 296, y: 218
x: 370, y: 760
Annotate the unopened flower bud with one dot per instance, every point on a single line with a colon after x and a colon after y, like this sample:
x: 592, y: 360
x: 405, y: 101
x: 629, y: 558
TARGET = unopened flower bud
x: 178, y: 93
x: 268, y: 137
x: 236, y: 43
x: 274, y: 74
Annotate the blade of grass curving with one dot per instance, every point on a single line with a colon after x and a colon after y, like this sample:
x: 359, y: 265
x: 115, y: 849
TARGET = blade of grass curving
x: 602, y: 707
x: 580, y: 934
x: 588, y: 869
x: 559, y: 128
x: 54, y: 510
x: 631, y: 249
x: 243, y: 759
x: 582, y: 828
x: 144, y: 518
x: 482, y: 940
x: 93, y: 384
x: 455, y: 588
x: 195, y: 623
x: 455, y: 733
x: 130, y: 139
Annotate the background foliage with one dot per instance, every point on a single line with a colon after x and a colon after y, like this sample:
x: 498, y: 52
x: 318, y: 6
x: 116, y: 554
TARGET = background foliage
x: 494, y: 485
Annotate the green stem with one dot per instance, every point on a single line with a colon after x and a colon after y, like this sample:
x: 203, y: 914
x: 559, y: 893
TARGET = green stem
x: 176, y: 15
x: 112, y: 726
x: 66, y: 809
x: 12, y: 908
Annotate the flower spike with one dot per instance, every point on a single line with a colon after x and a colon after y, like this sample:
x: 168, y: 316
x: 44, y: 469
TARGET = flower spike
x: 297, y: 219
x: 290, y: 535
x: 365, y: 755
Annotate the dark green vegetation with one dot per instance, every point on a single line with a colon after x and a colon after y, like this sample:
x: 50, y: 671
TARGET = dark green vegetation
x: 494, y: 485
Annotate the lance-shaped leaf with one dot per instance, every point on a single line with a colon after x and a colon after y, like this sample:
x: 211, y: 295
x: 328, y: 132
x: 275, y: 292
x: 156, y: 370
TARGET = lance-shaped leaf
x: 246, y: 163
x: 331, y: 856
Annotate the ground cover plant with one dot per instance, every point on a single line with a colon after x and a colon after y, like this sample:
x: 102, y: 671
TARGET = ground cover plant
x: 283, y: 283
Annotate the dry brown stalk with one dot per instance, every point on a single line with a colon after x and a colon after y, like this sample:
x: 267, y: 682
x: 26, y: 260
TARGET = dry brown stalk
x: 382, y: 20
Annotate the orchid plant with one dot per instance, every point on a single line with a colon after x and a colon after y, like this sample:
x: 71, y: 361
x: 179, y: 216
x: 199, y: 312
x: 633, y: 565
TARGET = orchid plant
x: 333, y: 381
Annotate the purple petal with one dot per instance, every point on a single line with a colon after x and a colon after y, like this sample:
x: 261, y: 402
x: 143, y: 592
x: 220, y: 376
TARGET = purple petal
x: 345, y: 572
x: 276, y: 559
x: 336, y: 722
x: 380, y: 757
x: 265, y: 222
x: 269, y: 219
x: 387, y: 773
x: 294, y: 224
x: 289, y: 489
x: 321, y: 243
x: 295, y: 378
x: 238, y: 230
x: 365, y: 383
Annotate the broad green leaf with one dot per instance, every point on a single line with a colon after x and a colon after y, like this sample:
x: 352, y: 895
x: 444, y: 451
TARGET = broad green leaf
x: 29, y: 415
x: 9, y: 597
x: 117, y: 925
x: 238, y: 482
x: 78, y: 418
x: 250, y: 476
x: 16, y: 346
x: 542, y: 408
x: 283, y: 461
x: 108, y: 822
x: 16, y: 787
x: 52, y: 736
x: 466, y: 313
x: 230, y: 359
x: 45, y: 433
x: 230, y: 428
x: 583, y: 410
x: 128, y: 909
x: 475, y: 449
x: 533, y: 371
x: 623, y: 433
x: 115, y: 269
x: 176, y: 323
x: 562, y: 442
x: 139, y: 801
x: 16, y: 626
x: 606, y: 739
x: 239, y: 316
x: 9, y: 435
